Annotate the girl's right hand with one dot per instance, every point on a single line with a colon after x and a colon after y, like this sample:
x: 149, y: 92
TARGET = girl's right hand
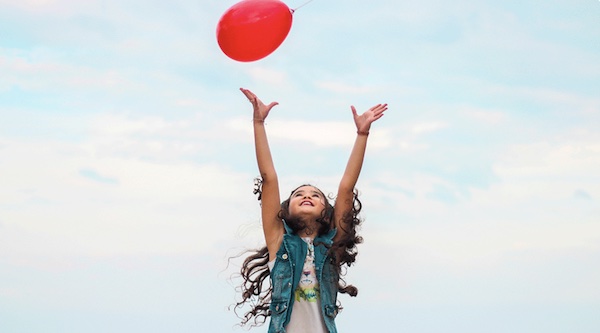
x: 261, y: 111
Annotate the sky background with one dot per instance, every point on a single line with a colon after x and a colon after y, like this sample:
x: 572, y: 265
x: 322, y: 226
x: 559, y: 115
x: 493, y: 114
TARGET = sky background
x: 127, y: 166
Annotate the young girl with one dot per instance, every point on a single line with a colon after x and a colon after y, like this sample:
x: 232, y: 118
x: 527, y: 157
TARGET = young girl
x: 308, y: 239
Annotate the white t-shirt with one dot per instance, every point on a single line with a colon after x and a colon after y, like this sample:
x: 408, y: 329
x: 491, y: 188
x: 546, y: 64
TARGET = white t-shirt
x: 306, y: 313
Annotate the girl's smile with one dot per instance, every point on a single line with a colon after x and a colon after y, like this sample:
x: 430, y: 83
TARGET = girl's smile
x: 307, y: 201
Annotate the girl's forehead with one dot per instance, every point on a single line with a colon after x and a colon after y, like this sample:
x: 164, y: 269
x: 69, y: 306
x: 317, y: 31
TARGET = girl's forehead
x: 307, y: 188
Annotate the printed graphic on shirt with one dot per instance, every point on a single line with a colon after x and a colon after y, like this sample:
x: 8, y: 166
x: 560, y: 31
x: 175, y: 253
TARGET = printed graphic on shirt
x: 308, y: 287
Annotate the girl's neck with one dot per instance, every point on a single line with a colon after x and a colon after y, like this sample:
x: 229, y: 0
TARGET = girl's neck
x: 304, y: 234
x: 310, y: 230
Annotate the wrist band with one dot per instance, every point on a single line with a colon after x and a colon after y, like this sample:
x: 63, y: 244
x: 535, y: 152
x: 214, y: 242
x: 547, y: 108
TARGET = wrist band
x: 362, y: 133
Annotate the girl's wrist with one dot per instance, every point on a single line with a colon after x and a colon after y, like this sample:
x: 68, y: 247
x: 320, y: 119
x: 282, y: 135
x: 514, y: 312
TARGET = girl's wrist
x: 359, y: 132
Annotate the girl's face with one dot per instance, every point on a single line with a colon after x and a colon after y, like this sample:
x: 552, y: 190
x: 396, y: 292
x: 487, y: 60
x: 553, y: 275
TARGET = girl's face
x: 307, y: 201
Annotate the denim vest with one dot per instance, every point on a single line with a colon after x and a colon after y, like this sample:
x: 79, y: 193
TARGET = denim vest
x: 286, y: 274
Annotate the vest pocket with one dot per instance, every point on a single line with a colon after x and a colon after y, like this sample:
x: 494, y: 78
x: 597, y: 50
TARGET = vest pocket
x: 281, y: 277
x: 331, y: 311
x: 278, y: 307
x: 278, y: 316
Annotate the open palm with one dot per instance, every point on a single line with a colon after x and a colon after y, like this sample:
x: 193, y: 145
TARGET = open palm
x: 261, y: 110
x: 363, y: 122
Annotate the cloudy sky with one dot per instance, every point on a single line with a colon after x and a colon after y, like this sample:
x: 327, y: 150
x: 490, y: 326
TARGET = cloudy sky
x: 127, y: 166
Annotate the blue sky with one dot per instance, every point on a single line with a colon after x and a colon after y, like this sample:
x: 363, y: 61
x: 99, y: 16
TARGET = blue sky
x: 126, y: 161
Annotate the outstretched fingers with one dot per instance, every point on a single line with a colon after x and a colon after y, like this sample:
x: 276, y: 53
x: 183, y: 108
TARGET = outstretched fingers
x: 261, y: 111
x: 250, y: 95
x: 377, y: 111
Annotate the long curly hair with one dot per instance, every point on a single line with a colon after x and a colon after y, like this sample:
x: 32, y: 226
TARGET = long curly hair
x: 256, y: 288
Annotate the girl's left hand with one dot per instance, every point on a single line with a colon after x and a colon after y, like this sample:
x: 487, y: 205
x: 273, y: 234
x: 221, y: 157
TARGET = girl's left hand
x: 261, y: 110
x: 363, y: 122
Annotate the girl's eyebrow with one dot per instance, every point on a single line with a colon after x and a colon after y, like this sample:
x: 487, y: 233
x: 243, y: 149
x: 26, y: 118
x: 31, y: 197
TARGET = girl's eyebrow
x: 302, y: 191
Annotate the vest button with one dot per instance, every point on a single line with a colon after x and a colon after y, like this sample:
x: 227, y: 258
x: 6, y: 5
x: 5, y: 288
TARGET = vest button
x: 284, y: 256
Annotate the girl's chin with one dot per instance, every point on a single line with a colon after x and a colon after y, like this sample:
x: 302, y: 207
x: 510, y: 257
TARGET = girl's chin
x: 304, y: 213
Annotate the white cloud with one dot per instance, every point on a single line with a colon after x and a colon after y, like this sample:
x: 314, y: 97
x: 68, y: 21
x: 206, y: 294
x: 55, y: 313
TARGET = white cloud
x: 427, y: 127
x: 532, y: 216
x: 53, y: 7
x: 486, y: 116
x: 343, y: 88
x: 53, y: 199
x: 566, y: 158
x: 320, y: 134
x: 530, y: 206
x: 46, y: 73
x: 115, y: 125
x: 268, y: 76
x: 553, y: 98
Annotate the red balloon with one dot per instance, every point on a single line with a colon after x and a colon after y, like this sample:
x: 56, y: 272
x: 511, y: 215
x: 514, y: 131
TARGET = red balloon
x: 253, y: 29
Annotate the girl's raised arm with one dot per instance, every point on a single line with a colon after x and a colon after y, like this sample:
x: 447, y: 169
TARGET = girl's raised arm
x: 270, y: 202
x: 345, y: 195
